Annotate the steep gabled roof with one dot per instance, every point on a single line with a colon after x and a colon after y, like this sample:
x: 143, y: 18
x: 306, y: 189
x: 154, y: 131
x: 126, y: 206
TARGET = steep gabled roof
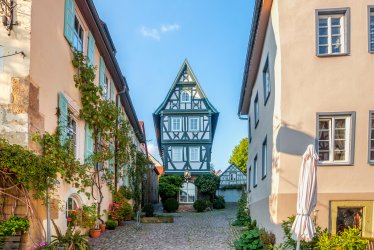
x: 232, y: 165
x: 156, y: 114
x: 185, y: 65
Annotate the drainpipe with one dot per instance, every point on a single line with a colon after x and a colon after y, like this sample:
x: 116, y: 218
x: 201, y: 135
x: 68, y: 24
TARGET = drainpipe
x: 116, y: 143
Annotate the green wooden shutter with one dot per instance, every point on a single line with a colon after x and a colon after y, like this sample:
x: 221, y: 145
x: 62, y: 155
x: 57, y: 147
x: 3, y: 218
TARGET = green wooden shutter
x: 89, y: 143
x: 90, y: 49
x: 63, y: 117
x: 69, y: 20
x: 102, y: 72
x: 112, y: 90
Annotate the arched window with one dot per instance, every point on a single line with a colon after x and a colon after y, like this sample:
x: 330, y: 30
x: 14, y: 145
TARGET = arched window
x: 188, y: 193
x: 185, y: 96
x: 73, y: 209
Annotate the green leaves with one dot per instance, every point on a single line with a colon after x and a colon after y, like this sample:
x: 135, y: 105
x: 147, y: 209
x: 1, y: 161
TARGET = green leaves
x: 14, y: 225
x: 207, y: 184
x: 239, y: 155
x: 348, y: 239
x: 169, y: 186
x: 249, y: 240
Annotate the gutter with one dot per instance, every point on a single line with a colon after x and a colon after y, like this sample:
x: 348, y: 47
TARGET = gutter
x: 255, y: 22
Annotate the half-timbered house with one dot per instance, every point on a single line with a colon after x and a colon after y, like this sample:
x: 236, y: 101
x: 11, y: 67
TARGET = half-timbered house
x: 185, y: 124
x: 232, y: 181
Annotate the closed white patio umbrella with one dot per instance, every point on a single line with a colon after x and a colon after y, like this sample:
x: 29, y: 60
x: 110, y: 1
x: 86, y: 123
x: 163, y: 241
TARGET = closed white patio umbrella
x: 303, y: 226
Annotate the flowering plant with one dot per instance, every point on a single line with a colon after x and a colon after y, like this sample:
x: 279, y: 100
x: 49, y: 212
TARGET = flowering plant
x: 89, y: 216
x: 40, y: 246
x: 115, y: 212
x: 74, y: 217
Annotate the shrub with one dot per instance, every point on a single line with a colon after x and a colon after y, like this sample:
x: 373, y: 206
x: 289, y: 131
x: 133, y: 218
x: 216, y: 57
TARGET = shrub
x: 267, y: 238
x: 242, y: 215
x: 348, y: 239
x: 14, y: 225
x: 200, y: 205
x: 125, y: 192
x: 111, y: 224
x: 149, y: 210
x: 89, y: 216
x: 219, y: 202
x: 250, y: 239
x: 169, y: 186
x: 207, y: 184
x: 171, y: 205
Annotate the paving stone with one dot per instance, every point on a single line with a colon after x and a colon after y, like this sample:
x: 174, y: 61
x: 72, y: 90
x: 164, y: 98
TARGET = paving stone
x: 190, y: 230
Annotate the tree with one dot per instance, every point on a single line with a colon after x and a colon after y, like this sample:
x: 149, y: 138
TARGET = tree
x: 239, y: 155
x: 207, y: 184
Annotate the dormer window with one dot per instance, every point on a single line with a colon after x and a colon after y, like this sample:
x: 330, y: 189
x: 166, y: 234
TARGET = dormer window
x: 185, y: 96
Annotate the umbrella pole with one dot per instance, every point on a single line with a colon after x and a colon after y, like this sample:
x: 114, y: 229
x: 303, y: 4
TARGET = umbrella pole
x: 298, y: 245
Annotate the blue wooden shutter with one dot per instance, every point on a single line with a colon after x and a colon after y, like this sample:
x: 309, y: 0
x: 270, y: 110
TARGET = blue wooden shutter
x: 89, y: 143
x: 111, y: 161
x: 63, y: 117
x: 102, y: 73
x: 69, y: 20
x: 112, y: 90
x: 90, y: 49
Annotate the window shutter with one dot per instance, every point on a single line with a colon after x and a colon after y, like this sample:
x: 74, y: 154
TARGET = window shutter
x: 69, y: 20
x: 102, y: 72
x: 63, y: 117
x: 112, y: 90
x: 89, y: 143
x: 90, y: 49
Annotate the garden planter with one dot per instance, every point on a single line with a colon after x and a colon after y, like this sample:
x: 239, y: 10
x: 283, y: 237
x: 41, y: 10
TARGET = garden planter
x: 157, y: 220
x: 11, y: 242
x: 95, y: 233
x: 102, y: 228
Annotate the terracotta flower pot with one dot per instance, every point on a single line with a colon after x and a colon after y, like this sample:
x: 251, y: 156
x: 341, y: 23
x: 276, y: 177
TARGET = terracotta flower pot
x: 95, y: 233
x: 102, y: 228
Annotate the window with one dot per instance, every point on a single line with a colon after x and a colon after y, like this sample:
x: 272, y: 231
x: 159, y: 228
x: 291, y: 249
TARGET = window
x: 176, y: 124
x: 332, y: 31
x: 249, y: 179
x: 194, y: 124
x: 264, y: 158
x: 335, y: 133
x: 371, y: 29
x: 194, y: 154
x: 72, y: 131
x: 73, y: 206
x: 371, y: 138
x: 266, y: 80
x: 78, y: 35
x: 188, y: 193
x: 257, y: 111
x: 185, y: 96
x: 232, y: 177
x: 249, y: 130
x: 255, y: 172
x: 177, y: 153
x: 106, y: 88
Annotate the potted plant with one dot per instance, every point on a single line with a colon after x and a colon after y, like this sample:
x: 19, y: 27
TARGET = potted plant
x: 103, y: 225
x: 111, y: 224
x: 89, y: 220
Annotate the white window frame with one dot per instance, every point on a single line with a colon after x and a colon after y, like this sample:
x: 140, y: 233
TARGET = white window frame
x: 185, y: 93
x: 255, y: 171
x: 266, y: 80
x: 188, y: 186
x: 193, y: 159
x: 71, y: 133
x: 174, y: 151
x: 371, y: 137
x: 75, y: 200
x: 256, y: 110
x: 264, y: 158
x: 76, y: 38
x: 350, y: 118
x: 344, y: 15
x: 190, y: 128
x: 172, y: 128
x: 371, y: 28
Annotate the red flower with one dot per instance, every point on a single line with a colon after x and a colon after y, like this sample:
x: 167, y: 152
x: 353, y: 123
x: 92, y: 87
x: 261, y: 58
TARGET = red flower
x: 69, y: 219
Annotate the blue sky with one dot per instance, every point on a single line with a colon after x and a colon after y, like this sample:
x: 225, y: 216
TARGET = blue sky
x: 153, y: 38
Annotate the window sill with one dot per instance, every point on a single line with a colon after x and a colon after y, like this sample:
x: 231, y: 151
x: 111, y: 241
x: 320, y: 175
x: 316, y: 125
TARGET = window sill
x: 333, y: 55
x: 263, y: 177
x: 266, y: 99
x: 256, y: 124
x: 255, y: 186
x: 335, y: 164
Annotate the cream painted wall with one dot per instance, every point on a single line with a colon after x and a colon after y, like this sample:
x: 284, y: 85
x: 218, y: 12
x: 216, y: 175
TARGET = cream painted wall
x: 304, y: 85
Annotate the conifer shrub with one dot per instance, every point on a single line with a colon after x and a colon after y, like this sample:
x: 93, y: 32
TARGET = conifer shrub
x: 200, y: 205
